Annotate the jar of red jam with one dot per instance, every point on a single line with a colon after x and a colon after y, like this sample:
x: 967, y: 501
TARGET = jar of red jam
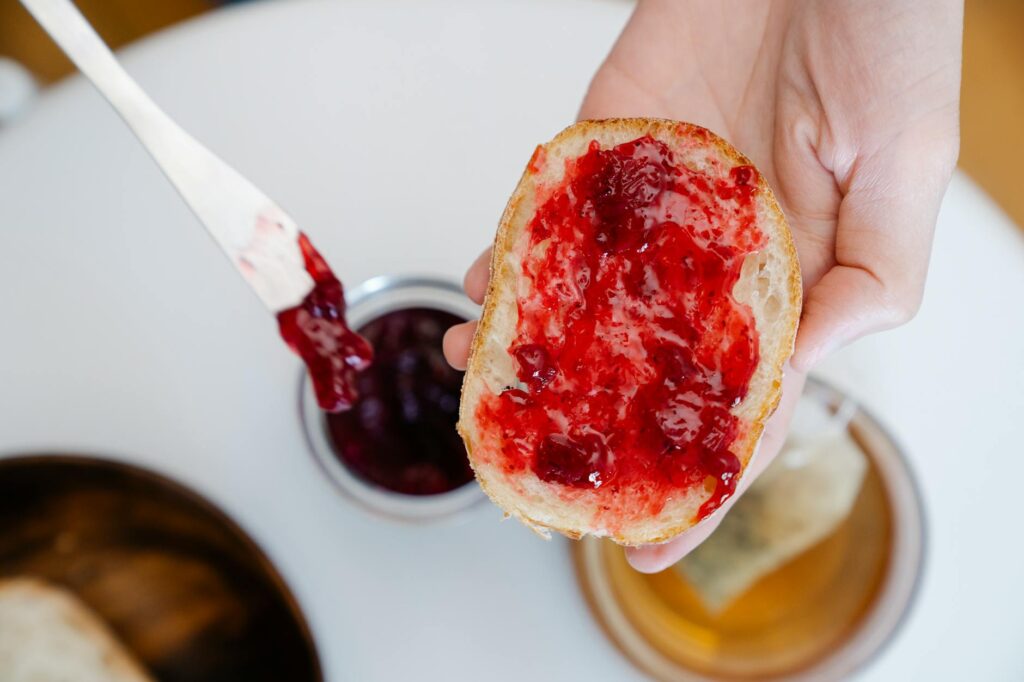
x: 396, y: 451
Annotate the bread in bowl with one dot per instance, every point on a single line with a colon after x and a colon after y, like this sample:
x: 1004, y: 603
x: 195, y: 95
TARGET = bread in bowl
x: 47, y: 634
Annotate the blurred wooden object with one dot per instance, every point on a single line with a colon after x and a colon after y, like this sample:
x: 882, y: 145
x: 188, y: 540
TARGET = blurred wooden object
x: 117, y: 21
x: 993, y: 86
x: 992, y: 105
x: 188, y: 594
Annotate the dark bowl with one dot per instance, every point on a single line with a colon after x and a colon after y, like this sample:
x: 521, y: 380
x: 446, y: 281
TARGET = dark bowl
x: 183, y: 587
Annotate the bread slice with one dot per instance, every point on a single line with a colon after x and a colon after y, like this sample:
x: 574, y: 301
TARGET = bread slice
x: 769, y: 284
x: 48, y: 635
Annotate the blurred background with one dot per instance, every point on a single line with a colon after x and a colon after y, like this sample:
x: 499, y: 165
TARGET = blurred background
x: 993, y: 76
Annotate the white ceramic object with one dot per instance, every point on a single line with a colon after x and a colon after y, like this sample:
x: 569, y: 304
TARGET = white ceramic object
x: 393, y: 131
x: 17, y: 90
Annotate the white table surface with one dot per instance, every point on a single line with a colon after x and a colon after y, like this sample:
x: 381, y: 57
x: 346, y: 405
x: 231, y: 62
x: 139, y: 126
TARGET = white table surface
x: 393, y: 132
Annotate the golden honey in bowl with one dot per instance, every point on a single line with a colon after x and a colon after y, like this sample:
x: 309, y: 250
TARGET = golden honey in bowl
x: 816, y: 614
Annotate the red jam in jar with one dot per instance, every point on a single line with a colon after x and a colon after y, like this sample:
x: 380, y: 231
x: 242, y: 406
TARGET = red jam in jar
x: 630, y: 348
x: 400, y: 434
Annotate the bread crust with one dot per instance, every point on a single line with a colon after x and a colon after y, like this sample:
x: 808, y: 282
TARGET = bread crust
x: 672, y: 132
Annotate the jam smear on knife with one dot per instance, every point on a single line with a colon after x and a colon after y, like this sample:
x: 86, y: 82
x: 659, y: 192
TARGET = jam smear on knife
x: 316, y: 330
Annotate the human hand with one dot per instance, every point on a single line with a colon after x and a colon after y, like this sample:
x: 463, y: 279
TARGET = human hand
x: 851, y: 111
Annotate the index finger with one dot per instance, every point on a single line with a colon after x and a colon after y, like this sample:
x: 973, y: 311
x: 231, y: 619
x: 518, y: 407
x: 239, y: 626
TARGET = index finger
x: 654, y: 558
